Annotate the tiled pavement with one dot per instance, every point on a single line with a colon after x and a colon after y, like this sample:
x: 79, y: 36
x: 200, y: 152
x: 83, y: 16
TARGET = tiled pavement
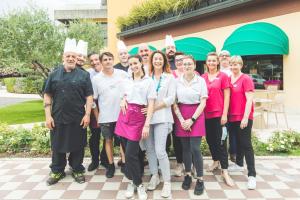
x: 277, y: 178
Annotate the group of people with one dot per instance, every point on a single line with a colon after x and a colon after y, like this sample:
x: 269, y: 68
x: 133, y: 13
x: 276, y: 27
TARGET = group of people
x: 138, y: 104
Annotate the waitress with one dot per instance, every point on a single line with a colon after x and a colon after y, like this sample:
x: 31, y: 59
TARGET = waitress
x: 241, y: 118
x: 132, y: 125
x: 216, y: 111
x: 191, y: 95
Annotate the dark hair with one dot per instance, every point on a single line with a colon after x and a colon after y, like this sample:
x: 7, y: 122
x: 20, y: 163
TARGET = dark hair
x: 166, y: 66
x: 178, y: 53
x: 92, y: 53
x: 216, y: 55
x: 141, y: 61
x: 108, y: 54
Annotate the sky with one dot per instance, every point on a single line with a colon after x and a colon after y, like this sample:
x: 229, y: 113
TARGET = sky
x: 9, y: 5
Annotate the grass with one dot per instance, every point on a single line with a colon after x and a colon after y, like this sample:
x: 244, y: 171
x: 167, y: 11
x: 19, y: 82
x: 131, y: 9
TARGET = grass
x: 21, y: 113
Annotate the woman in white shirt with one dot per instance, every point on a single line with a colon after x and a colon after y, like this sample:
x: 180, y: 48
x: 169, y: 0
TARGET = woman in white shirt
x: 161, y: 122
x: 138, y: 92
x: 191, y: 93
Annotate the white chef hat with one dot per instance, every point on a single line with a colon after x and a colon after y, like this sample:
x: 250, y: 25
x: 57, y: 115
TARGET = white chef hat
x: 70, y: 45
x: 82, y: 47
x: 169, y: 41
x: 121, y: 45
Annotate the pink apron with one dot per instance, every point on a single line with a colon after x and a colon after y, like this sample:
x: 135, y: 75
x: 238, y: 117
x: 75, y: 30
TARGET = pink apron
x: 130, y: 125
x: 198, y: 128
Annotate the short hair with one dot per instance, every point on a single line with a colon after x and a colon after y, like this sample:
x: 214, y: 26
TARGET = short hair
x: 106, y: 53
x: 178, y: 53
x: 224, y: 52
x: 92, y: 53
x: 166, y: 66
x: 236, y: 59
x: 190, y: 57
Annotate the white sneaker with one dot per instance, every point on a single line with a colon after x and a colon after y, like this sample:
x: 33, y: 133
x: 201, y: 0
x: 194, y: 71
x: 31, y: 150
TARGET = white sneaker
x: 130, y: 191
x: 166, y: 191
x: 142, y: 192
x: 153, y: 183
x: 235, y: 168
x: 251, y: 183
x: 178, y: 170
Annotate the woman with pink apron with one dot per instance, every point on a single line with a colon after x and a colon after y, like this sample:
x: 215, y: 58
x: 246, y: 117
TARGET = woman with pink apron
x: 138, y: 96
x: 191, y: 93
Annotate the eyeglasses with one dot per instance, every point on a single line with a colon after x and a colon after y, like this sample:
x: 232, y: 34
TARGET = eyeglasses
x: 225, y: 55
x: 188, y: 64
x: 179, y: 60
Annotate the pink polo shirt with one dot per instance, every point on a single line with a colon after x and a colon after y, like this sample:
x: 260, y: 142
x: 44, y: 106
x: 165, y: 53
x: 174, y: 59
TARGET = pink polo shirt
x: 215, y: 101
x: 238, y: 98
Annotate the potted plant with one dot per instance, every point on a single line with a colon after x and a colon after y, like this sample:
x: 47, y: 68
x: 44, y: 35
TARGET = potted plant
x: 276, y: 83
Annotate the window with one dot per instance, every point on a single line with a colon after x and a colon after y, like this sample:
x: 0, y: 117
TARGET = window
x: 264, y: 70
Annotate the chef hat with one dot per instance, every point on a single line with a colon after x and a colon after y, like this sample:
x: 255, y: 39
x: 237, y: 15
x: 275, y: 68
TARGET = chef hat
x: 121, y: 45
x: 169, y: 41
x: 82, y: 47
x: 70, y: 45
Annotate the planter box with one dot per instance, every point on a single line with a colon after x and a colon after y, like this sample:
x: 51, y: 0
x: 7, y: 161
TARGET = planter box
x: 272, y: 86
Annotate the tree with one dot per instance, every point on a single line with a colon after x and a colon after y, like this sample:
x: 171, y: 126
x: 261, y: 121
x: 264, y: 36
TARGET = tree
x: 30, y: 38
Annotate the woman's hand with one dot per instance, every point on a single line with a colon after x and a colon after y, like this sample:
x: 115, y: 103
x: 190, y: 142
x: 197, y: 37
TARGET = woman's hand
x: 244, y: 123
x: 145, y: 132
x: 223, y: 119
x: 187, y: 124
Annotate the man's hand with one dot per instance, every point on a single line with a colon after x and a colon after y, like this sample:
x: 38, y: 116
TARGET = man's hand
x: 223, y: 119
x: 50, y: 123
x: 85, y: 121
x: 244, y: 123
x: 123, y: 106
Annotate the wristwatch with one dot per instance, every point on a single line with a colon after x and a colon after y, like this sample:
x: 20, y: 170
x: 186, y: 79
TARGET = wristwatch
x: 193, y: 119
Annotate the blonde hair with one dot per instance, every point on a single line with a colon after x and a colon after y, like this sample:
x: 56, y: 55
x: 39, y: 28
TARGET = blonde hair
x: 236, y: 60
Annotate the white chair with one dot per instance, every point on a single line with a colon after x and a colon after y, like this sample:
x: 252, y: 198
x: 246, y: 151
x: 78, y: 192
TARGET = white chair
x: 276, y: 107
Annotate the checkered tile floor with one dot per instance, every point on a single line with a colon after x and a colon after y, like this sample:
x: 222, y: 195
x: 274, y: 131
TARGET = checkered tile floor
x: 25, y: 179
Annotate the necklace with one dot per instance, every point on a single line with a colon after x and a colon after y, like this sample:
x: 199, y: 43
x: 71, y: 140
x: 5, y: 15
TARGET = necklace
x: 159, y: 83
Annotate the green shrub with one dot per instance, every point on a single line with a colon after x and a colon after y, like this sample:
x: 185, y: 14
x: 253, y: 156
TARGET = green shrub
x: 284, y: 141
x: 24, y: 85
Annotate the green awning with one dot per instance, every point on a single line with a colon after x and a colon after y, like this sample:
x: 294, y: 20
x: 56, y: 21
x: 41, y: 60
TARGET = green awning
x: 257, y: 39
x: 135, y: 50
x: 197, y: 47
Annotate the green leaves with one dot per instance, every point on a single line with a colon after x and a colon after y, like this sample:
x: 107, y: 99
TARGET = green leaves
x: 29, y: 35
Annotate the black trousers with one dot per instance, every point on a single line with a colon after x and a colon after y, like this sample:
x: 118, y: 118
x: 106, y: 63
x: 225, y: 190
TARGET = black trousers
x: 75, y: 159
x: 213, y: 137
x: 244, y: 146
x: 177, y: 146
x: 192, y: 154
x: 94, y: 144
x: 133, y: 158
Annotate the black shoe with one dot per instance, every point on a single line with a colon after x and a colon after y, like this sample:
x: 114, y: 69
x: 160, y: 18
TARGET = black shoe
x: 79, y: 177
x: 199, y: 188
x: 93, y: 166
x: 55, y: 177
x: 123, y: 168
x: 119, y: 163
x: 104, y: 164
x: 110, y: 171
x: 187, y: 182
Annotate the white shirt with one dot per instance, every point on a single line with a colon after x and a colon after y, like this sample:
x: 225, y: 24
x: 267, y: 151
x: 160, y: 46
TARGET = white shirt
x: 191, y: 92
x: 226, y: 71
x: 107, y: 91
x: 139, y: 91
x: 166, y: 92
x: 92, y: 72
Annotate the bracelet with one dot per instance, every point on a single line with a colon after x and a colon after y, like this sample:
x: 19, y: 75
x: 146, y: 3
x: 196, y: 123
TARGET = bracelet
x: 47, y: 105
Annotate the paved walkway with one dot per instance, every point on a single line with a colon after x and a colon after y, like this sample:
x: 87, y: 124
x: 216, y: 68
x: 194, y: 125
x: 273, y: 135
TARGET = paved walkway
x: 277, y: 178
x: 7, y: 98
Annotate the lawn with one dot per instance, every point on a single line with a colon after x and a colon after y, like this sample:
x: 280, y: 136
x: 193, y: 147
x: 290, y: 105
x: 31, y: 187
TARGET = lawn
x: 21, y: 113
